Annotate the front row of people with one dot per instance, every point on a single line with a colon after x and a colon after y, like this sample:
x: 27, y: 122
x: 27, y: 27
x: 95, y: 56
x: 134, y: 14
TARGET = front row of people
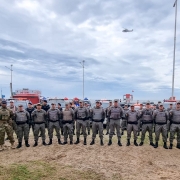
x: 51, y: 119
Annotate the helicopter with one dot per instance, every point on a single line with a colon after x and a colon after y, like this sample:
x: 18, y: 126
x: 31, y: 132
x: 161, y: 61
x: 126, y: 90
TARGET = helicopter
x: 127, y: 30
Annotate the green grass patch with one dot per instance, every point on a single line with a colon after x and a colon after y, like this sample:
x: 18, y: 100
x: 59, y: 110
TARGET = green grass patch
x: 29, y: 171
x: 38, y: 170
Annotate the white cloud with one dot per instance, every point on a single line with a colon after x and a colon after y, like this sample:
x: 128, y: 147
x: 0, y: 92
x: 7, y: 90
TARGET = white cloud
x: 68, y: 32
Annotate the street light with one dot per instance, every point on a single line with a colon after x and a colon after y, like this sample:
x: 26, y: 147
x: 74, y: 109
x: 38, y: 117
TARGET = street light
x: 82, y: 63
x: 174, y: 56
x: 11, y: 80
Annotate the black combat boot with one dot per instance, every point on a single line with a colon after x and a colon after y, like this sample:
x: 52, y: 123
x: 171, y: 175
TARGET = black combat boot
x: 92, y: 142
x: 141, y: 143
x: 35, y: 144
x: 101, y: 143
x: 27, y: 144
x: 119, y: 143
x: 59, y: 141
x: 178, y: 145
x: 156, y: 145
x: 44, y: 143
x: 152, y: 144
x: 122, y: 133
x: 110, y: 142
x: 135, y: 143
x: 19, y: 145
x: 64, y: 142
x: 171, y: 146
x: 165, y: 145
x: 71, y: 142
x: 50, y: 142
x: 85, y: 141
x: 128, y: 142
x: 77, y: 142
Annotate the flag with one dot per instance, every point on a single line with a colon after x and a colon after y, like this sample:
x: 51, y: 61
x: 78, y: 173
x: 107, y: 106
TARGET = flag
x: 3, y: 96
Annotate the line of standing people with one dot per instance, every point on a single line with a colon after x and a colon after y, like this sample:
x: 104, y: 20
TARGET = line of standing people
x: 55, y: 119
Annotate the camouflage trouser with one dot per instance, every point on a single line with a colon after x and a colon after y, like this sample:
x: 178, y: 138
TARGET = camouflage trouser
x: 175, y: 128
x: 123, y: 124
x: 161, y: 129
x: 97, y: 126
x: 145, y: 128
x: 107, y: 125
x: 130, y: 128
x: 23, y: 130
x: 79, y: 124
x: 88, y: 125
x: 115, y: 124
x: 39, y: 128
x: 14, y: 126
x: 6, y: 128
x: 68, y: 130
x: 51, y: 127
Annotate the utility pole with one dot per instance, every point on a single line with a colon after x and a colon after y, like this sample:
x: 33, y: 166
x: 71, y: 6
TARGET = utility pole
x: 174, y: 56
x: 11, y: 80
x: 82, y: 63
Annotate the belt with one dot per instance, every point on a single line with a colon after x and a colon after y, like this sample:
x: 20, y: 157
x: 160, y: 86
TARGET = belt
x: 160, y: 123
x: 175, y: 122
x: 67, y: 121
x: 82, y: 119
x: 53, y: 121
x: 3, y: 121
x: 147, y: 122
x: 132, y: 122
x: 19, y: 123
x: 39, y: 122
x: 97, y: 120
x: 115, y: 119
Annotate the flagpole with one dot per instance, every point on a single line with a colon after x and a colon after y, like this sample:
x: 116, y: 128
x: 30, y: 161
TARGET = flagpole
x: 174, y: 55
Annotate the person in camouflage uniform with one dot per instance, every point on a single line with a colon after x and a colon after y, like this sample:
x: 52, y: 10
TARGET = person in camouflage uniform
x: 6, y: 125
x: 174, y: 117
x: 61, y: 124
x: 53, y: 118
x: 107, y: 117
x: 30, y: 109
x: 38, y: 121
x: 22, y: 120
x: 88, y: 120
x: 14, y: 109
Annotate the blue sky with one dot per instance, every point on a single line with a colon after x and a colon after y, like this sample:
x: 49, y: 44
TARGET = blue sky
x: 46, y: 40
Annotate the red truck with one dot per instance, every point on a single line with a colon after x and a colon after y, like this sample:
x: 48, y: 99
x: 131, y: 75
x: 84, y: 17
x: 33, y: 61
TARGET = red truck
x: 31, y: 95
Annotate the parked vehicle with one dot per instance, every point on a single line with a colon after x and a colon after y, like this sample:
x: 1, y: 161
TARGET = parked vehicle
x: 56, y: 101
x: 18, y: 101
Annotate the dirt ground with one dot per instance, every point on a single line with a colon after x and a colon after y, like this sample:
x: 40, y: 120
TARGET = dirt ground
x: 71, y: 162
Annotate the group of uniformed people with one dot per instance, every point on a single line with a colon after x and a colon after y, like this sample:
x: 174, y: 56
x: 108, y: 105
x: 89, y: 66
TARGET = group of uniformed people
x: 43, y: 116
